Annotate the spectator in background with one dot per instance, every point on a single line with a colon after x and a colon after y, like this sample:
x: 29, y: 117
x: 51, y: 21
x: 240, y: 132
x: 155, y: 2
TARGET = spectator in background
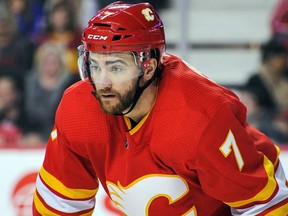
x: 44, y: 88
x: 28, y: 15
x: 260, y: 118
x: 279, y: 24
x: 12, y: 120
x: 279, y: 19
x: 86, y: 9
x: 269, y: 87
x: 62, y: 27
x: 16, y: 50
x: 269, y: 83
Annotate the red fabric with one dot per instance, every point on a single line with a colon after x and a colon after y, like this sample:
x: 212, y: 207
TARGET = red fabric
x: 10, y: 134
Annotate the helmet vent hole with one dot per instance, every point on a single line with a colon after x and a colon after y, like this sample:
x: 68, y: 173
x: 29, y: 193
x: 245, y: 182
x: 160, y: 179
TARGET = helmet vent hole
x: 116, y: 37
x: 121, y: 29
x: 127, y: 36
x: 102, y: 24
x: 104, y: 46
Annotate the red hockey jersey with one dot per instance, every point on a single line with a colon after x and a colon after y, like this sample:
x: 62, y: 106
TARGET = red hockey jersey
x: 192, y: 154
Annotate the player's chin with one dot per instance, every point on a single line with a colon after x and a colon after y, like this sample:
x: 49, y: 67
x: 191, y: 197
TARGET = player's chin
x: 109, y: 108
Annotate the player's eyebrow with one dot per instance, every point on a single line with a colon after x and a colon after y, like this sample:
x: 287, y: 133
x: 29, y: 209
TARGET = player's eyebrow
x: 110, y: 62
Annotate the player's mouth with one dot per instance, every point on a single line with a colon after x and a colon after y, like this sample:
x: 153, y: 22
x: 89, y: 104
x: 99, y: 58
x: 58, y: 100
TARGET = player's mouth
x: 106, y: 97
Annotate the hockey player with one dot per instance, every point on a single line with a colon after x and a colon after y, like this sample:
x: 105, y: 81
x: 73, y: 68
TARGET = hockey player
x: 161, y: 138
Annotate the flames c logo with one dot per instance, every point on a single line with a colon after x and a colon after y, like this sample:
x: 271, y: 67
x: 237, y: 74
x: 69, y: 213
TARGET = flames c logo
x: 148, y: 14
x: 135, y: 198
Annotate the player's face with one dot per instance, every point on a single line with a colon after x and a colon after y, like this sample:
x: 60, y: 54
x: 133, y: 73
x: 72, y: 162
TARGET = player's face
x: 115, y: 77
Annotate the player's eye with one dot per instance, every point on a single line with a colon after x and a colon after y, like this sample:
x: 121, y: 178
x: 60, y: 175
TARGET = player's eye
x: 95, y: 68
x: 116, y: 69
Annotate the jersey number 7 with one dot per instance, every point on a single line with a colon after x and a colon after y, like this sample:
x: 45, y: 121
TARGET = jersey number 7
x: 230, y: 145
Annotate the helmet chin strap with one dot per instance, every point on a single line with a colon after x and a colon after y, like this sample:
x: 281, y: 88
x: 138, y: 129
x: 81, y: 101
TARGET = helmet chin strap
x: 140, y: 90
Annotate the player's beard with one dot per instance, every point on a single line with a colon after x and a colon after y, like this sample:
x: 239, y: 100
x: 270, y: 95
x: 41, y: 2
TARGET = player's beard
x: 123, y: 100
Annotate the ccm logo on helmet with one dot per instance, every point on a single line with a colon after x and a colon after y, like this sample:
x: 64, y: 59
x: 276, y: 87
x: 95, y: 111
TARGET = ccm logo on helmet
x: 96, y: 37
x: 148, y: 14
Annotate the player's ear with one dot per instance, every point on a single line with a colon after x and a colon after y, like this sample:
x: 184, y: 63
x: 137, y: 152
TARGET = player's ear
x: 149, y: 68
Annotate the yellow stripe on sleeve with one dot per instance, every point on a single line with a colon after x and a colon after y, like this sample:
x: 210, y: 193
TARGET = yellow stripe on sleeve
x: 44, y: 211
x: 267, y: 191
x: 278, y: 153
x: 279, y: 211
x: 57, y: 185
x: 41, y: 208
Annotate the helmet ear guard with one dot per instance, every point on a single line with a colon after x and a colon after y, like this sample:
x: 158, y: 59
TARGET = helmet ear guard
x: 146, y: 65
x: 144, y: 58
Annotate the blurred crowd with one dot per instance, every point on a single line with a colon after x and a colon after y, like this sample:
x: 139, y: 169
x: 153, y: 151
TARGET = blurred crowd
x: 38, y: 61
x: 265, y: 93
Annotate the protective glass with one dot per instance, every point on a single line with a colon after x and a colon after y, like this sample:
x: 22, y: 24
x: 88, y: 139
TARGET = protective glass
x: 108, y: 68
